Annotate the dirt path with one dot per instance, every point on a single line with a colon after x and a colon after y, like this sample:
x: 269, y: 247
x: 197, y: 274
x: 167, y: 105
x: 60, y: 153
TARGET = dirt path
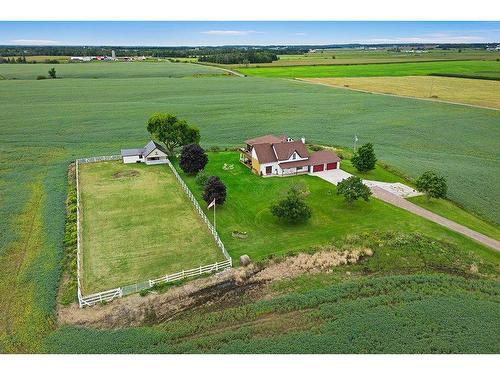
x: 417, y: 210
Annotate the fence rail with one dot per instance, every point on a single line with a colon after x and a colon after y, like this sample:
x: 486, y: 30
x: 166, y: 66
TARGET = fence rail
x: 109, y: 295
x: 218, y: 266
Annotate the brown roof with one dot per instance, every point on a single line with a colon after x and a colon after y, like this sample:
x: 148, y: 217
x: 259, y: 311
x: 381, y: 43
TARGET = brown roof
x: 286, y: 149
x: 265, y: 153
x: 293, y: 164
x: 323, y: 157
x: 265, y: 139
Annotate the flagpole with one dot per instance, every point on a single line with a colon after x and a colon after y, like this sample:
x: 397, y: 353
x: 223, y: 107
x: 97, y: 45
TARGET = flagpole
x: 215, y: 228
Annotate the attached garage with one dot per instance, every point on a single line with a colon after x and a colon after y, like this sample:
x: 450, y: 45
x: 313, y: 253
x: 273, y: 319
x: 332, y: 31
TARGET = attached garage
x: 324, y: 160
x: 318, y: 167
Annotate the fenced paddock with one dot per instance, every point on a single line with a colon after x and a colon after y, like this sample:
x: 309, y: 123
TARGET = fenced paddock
x: 108, y: 295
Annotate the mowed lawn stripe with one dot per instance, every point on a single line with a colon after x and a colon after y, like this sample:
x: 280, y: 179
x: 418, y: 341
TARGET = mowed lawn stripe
x: 137, y: 224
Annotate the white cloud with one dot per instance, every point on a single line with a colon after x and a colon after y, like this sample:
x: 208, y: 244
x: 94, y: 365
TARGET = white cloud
x: 33, y: 42
x: 429, y: 38
x: 229, y: 32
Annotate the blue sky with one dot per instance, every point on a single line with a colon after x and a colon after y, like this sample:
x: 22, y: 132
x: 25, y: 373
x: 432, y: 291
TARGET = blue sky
x: 170, y: 33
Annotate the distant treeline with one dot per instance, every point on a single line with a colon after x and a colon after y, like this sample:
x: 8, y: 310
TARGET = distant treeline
x: 240, y: 57
x: 22, y: 60
x: 8, y: 51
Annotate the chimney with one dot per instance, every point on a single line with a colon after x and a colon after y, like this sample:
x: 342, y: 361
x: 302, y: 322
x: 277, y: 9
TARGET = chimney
x: 303, y: 140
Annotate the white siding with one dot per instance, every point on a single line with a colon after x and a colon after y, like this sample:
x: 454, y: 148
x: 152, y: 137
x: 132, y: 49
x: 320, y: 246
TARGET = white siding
x: 131, y: 159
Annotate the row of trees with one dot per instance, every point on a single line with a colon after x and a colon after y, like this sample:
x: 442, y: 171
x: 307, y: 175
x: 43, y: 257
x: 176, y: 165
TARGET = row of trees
x: 244, y: 57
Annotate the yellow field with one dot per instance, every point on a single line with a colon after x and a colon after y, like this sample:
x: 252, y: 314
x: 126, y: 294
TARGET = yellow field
x: 460, y: 90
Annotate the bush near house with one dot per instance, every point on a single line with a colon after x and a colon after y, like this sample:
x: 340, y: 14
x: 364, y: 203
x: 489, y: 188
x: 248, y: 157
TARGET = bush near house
x: 292, y: 209
x: 433, y: 185
x: 193, y: 158
x: 214, y: 189
x: 364, y: 159
x: 352, y: 188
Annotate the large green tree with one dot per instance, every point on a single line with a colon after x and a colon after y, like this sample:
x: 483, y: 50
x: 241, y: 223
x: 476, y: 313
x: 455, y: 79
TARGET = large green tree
x: 171, y: 131
x: 433, y: 185
x: 352, y: 188
x: 293, y: 208
x: 364, y: 159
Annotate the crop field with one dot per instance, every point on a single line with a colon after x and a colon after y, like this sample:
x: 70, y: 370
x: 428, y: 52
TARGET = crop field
x: 459, y: 90
x: 346, y: 56
x: 137, y: 224
x: 107, y: 70
x: 47, y: 124
x: 247, y: 210
x: 478, y: 69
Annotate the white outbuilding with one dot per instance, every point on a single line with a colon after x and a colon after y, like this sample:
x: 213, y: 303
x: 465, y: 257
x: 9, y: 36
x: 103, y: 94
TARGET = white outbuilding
x: 152, y: 153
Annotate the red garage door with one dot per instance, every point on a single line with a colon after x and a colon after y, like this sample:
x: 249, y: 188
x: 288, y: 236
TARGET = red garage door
x: 318, y: 168
x: 331, y: 166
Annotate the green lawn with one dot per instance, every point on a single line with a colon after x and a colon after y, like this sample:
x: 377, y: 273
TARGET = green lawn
x: 137, y: 224
x: 378, y: 174
x: 451, y: 211
x: 472, y: 68
x: 247, y: 209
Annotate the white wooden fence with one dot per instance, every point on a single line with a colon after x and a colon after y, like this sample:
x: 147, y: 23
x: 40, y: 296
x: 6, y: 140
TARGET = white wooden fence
x: 109, y: 295
x: 218, y: 266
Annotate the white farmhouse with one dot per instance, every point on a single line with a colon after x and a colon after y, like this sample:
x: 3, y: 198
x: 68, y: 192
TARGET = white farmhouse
x: 152, y: 153
x: 270, y: 155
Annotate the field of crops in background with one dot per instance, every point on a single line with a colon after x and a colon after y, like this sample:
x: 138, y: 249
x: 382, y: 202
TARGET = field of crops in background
x: 479, y: 69
x: 107, y: 70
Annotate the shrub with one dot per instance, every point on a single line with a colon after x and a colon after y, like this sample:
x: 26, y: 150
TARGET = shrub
x: 364, y: 159
x: 193, y: 158
x: 316, y: 147
x: 352, y: 188
x: 433, y: 185
x: 214, y: 189
x: 201, y: 178
x: 40, y: 77
x: 292, y: 209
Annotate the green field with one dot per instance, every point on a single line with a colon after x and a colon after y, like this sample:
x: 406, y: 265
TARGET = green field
x: 479, y: 69
x: 247, y: 210
x: 47, y: 124
x: 107, y: 70
x: 137, y: 224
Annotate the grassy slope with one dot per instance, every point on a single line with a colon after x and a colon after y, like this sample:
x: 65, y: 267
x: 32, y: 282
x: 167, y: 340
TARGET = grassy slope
x: 453, y: 212
x: 110, y: 114
x: 479, y: 68
x: 106, y: 70
x: 459, y: 90
x: 161, y: 234
x: 247, y: 209
x: 441, y: 207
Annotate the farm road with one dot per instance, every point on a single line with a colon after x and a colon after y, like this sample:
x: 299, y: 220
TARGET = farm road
x: 417, y: 210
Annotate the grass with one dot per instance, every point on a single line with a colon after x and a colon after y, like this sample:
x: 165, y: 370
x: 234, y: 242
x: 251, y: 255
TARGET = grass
x: 378, y: 174
x: 107, y: 70
x: 459, y: 90
x: 390, y: 314
x: 47, y: 124
x: 476, y: 68
x: 162, y: 234
x: 247, y: 210
x: 451, y: 211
